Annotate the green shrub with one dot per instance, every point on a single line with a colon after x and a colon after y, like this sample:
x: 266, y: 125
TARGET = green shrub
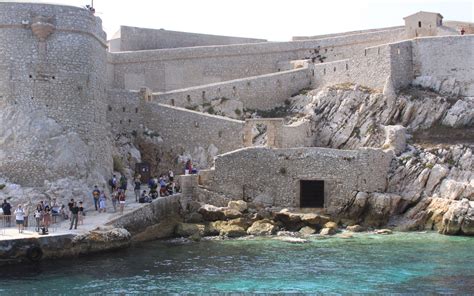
x: 2, y: 186
x: 118, y: 164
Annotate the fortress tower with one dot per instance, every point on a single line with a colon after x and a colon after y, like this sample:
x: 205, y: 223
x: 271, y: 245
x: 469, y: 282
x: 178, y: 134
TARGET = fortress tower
x: 52, y: 93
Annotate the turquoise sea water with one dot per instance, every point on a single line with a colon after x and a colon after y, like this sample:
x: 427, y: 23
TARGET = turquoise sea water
x: 398, y: 263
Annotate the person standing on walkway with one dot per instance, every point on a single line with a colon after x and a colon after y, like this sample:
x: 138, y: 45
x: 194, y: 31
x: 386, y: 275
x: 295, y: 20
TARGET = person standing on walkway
x: 20, y: 218
x: 121, y: 199
x: 46, y: 218
x: 81, y: 213
x: 7, y: 212
x: 74, y: 215
x: 123, y: 183
x: 95, y: 196
x: 114, y: 198
x: 102, y: 200
x: 136, y: 189
x: 38, y: 217
x: 113, y: 183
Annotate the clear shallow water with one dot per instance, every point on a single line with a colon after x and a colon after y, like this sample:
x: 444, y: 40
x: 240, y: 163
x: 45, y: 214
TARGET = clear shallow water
x: 402, y: 262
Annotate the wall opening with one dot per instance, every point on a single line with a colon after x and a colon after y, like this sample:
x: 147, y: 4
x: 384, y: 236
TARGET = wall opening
x: 419, y: 24
x: 311, y: 194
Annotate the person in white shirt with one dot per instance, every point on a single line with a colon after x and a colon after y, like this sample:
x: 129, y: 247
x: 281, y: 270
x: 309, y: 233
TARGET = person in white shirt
x: 20, y: 218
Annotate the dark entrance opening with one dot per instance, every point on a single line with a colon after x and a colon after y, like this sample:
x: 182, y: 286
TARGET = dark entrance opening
x: 311, y: 194
x: 143, y: 169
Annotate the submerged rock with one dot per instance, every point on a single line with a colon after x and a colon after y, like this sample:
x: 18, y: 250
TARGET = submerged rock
x: 290, y: 239
x: 328, y: 231
x: 307, y: 230
x: 355, y: 228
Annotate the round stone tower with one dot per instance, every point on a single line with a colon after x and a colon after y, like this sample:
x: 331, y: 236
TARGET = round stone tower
x: 52, y: 94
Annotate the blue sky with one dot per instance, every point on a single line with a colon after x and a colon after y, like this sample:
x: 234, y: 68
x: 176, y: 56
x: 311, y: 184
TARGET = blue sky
x: 276, y: 20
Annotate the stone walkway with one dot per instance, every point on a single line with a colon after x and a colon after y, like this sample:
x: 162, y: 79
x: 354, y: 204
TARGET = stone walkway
x: 92, y: 220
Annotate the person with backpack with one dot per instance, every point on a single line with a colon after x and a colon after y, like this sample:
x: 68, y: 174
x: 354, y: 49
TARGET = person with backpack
x: 113, y: 183
x: 95, y: 196
x: 123, y: 183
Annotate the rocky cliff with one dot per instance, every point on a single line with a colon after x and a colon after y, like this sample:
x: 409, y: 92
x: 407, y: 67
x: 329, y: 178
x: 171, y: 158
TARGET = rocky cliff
x: 431, y: 182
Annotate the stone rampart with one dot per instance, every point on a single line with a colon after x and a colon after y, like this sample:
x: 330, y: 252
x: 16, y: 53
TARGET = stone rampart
x: 198, y: 135
x: 170, y: 69
x: 52, y: 93
x: 369, y: 67
x: 125, y: 110
x: 274, y: 174
x: 445, y: 63
x: 132, y: 39
x: 259, y: 92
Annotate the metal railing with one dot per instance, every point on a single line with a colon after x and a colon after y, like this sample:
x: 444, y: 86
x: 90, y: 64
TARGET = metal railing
x: 29, y: 223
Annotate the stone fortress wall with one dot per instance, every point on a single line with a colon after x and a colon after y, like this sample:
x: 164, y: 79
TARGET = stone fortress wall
x: 52, y: 93
x: 257, y: 92
x: 170, y: 69
x: 272, y: 176
x: 133, y: 39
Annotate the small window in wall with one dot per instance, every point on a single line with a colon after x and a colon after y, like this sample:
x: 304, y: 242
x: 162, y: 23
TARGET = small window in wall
x: 129, y: 121
x: 120, y: 121
x: 123, y: 109
x: 203, y: 95
x: 172, y: 102
x: 419, y: 24
x: 334, y: 69
x: 110, y: 108
x: 136, y: 110
x: 347, y: 67
x: 365, y: 52
x: 324, y: 71
x: 311, y: 194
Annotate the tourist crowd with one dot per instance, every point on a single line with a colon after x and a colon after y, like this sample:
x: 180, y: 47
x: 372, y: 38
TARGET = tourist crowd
x: 46, y: 213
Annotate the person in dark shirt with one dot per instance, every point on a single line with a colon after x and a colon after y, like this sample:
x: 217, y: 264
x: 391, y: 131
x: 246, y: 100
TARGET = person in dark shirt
x: 95, y: 196
x: 7, y: 211
x: 137, y: 188
x: 74, y: 215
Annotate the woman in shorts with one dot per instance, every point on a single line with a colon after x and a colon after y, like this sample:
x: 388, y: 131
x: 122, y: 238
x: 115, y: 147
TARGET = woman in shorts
x: 121, y: 198
x: 20, y: 218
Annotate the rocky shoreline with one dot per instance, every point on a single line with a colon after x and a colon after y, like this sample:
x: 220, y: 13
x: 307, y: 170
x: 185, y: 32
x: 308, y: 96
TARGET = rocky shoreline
x: 241, y: 219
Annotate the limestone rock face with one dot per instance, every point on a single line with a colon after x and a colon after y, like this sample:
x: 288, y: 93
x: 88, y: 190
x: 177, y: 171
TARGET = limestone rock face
x: 262, y: 227
x: 314, y: 219
x: 307, y: 230
x: 161, y: 230
x: 211, y: 213
x: 35, y: 148
x: 238, y: 205
x: 327, y: 231
x: 189, y: 229
x: 455, y: 218
x: 101, y: 239
x: 232, y: 214
x: 395, y: 138
x: 355, y: 228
